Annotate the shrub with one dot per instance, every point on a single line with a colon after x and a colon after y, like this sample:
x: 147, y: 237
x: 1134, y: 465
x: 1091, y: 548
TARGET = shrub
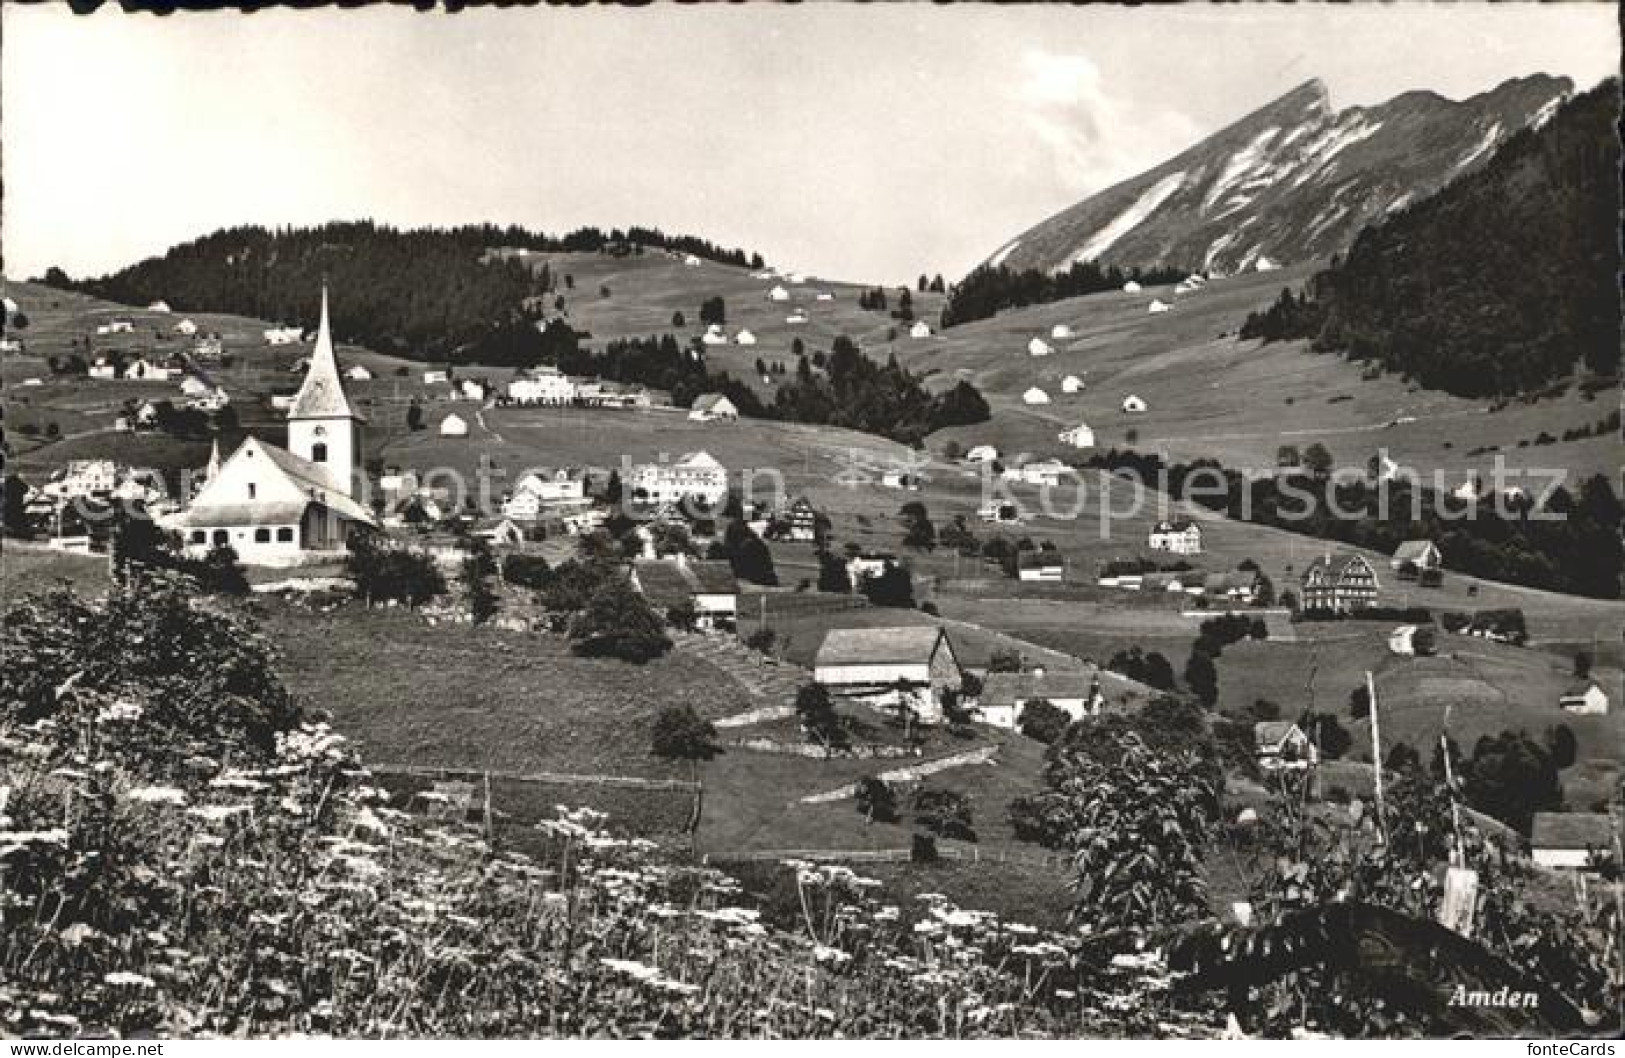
x: 1044, y: 721
x: 680, y: 734
x: 617, y: 622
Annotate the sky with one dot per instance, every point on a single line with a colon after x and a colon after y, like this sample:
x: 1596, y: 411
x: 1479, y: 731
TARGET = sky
x: 863, y: 143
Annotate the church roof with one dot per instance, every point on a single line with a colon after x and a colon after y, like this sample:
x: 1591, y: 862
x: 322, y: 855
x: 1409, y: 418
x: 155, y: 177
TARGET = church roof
x: 306, y: 476
x: 322, y: 394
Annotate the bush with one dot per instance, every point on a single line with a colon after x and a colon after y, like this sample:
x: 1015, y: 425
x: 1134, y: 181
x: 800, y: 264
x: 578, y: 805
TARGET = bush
x: 680, y: 734
x: 617, y: 622
x: 1044, y: 721
x: 876, y: 801
x: 945, y: 813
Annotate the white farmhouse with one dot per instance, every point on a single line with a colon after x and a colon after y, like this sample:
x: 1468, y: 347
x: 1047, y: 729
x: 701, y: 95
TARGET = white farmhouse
x: 921, y: 329
x: 1060, y: 330
x: 1181, y: 537
x: 798, y: 316
x: 1038, y: 347
x: 1131, y: 287
x: 186, y: 327
x: 357, y: 373
x: 284, y: 335
x: 713, y: 407
x: 1080, y: 436
x: 1133, y: 404
x: 778, y: 293
x: 433, y: 378
x: 1570, y: 840
x: 982, y: 454
x: 873, y: 663
x: 1005, y: 695
x: 471, y: 389
x: 1158, y: 306
x: 1584, y: 699
x: 1072, y: 384
x: 158, y: 306
x: 1035, y: 396
x: 744, y: 337
x: 454, y: 425
x: 714, y: 335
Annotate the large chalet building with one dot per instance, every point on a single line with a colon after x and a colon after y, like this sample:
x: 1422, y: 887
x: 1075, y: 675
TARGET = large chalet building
x: 1341, y: 584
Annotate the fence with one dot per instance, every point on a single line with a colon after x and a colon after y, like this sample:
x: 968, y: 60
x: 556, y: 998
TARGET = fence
x: 961, y: 852
x: 814, y: 751
x: 624, y: 782
x: 909, y: 774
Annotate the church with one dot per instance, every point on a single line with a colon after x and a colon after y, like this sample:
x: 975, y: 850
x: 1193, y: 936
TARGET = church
x: 283, y: 507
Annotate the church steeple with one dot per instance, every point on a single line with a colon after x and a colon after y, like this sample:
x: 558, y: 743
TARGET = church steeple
x: 322, y: 427
x: 322, y: 395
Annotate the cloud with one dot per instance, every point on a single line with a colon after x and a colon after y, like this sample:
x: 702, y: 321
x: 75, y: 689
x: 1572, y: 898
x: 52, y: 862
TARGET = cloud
x: 1093, y: 132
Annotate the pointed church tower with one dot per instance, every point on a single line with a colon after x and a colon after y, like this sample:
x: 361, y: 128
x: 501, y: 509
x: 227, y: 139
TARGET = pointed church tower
x: 212, y: 471
x: 322, y: 428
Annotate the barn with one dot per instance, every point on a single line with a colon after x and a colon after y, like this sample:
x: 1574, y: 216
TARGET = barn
x: 870, y: 662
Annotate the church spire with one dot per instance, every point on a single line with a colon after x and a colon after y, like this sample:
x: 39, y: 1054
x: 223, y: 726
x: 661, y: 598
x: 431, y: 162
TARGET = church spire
x: 322, y: 394
x: 212, y: 471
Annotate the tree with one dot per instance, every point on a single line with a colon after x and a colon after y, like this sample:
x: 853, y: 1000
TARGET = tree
x: 1043, y: 720
x: 384, y: 573
x: 1263, y: 710
x: 1202, y: 677
x: 678, y: 321
x: 1004, y: 659
x: 945, y: 813
x: 16, y: 520
x: 918, y: 531
x: 751, y: 559
x: 1511, y: 778
x: 876, y: 800
x: 1359, y: 703
x: 1561, y: 746
x: 1326, y: 732
x: 832, y: 575
x: 617, y: 622
x: 479, y: 567
x: 680, y: 734
x: 713, y: 311
x: 1287, y: 456
x: 1582, y: 664
x: 892, y: 587
x: 414, y: 415
x: 1317, y: 459
x: 1404, y: 759
x: 218, y: 572
x: 816, y: 711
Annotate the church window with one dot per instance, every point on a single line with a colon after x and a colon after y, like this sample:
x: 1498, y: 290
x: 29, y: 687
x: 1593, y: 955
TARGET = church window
x: 199, y: 536
x: 221, y: 537
x: 262, y: 536
x: 284, y: 535
x: 318, y: 453
x: 252, y: 488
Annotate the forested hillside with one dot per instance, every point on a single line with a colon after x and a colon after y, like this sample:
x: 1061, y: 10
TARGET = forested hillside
x: 426, y: 294
x: 1501, y: 284
x: 990, y: 289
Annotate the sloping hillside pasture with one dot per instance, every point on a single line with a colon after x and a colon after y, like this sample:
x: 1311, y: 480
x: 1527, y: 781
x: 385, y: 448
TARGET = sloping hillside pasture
x: 1212, y: 396
x: 29, y: 568
x: 1471, y: 689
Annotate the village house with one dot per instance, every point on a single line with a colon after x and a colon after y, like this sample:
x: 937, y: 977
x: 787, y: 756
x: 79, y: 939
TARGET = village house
x: 1006, y: 695
x: 435, y: 378
x: 1413, y: 640
x: 624, y: 395
x: 1158, y: 306
x: 714, y: 335
x: 713, y: 407
x: 1060, y: 330
x: 454, y: 425
x: 695, y: 474
x: 277, y: 506
x: 499, y: 532
x: 862, y: 566
x: 1041, y: 566
x: 186, y: 327
x: 744, y: 337
x: 1131, y: 287
x: 284, y: 335
x: 801, y: 521
x: 545, y: 385
x: 1419, y: 554
x: 1180, y: 537
x: 1584, y: 698
x: 920, y: 329
x: 357, y: 373
x: 982, y: 454
x: 1188, y: 582
x: 470, y: 389
x: 1080, y: 436
x: 82, y: 477
x: 1571, y: 840
x: 778, y: 293
x: 709, y: 586
x: 797, y: 316
x: 1133, y: 405
x: 115, y: 327
x: 193, y: 386
x: 143, y: 369
x: 883, y: 665
x: 103, y: 368
x: 1345, y: 584
x: 208, y: 347
x: 1072, y: 384
x: 1281, y: 744
x: 1035, y: 396
x: 1239, y: 585
x: 158, y: 306
x: 1039, y: 347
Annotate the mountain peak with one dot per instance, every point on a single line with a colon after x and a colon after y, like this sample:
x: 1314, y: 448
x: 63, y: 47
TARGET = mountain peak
x: 1292, y: 180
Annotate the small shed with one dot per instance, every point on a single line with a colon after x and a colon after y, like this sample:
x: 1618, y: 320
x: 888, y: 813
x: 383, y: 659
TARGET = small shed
x: 1567, y: 840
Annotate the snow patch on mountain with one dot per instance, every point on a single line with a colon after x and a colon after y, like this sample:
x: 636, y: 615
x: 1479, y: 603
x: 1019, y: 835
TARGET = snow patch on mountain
x: 1491, y: 136
x: 1009, y: 248
x: 1130, y: 218
x: 1242, y: 163
x: 1329, y: 144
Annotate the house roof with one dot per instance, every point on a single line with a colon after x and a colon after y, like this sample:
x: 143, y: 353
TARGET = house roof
x: 667, y: 582
x: 1041, y: 560
x: 701, y: 460
x: 711, y: 401
x: 232, y: 514
x: 1009, y: 688
x: 1413, y: 550
x: 1272, y: 732
x: 1178, y: 525
x: 321, y: 396
x: 1581, y: 688
x: 910, y: 645
x: 1335, y: 567
x: 1572, y: 830
x: 1245, y: 579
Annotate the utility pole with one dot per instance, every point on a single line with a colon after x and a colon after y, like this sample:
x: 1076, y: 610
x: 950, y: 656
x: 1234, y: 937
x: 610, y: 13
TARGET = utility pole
x: 1376, y: 757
